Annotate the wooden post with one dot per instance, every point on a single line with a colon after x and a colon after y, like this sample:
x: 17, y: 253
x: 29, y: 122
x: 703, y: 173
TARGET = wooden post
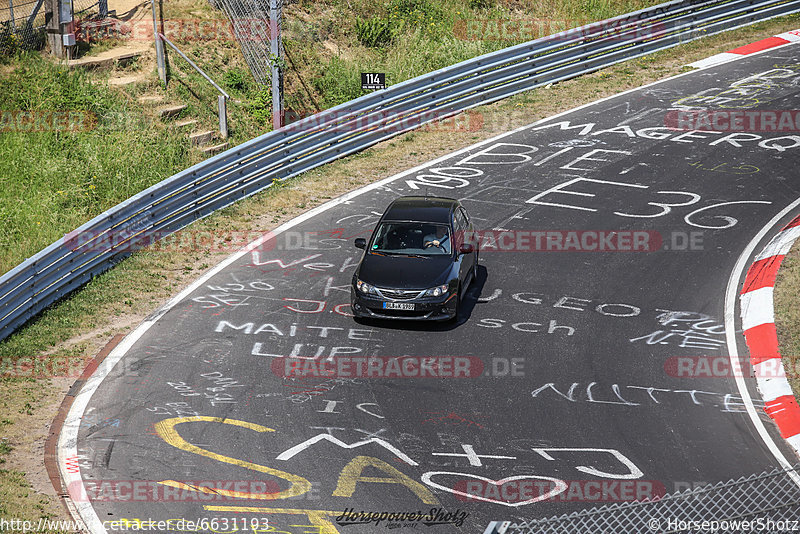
x: 53, y: 28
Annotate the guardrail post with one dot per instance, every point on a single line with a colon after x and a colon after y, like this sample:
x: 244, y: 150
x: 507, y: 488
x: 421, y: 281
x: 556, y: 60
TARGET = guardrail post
x: 222, y: 107
x: 160, y: 59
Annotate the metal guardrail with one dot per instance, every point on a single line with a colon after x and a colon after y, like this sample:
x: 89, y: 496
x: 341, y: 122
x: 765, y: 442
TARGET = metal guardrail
x: 768, y: 502
x: 353, y: 126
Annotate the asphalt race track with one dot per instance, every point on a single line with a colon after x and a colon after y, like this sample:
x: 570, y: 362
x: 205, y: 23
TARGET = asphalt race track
x: 564, y: 371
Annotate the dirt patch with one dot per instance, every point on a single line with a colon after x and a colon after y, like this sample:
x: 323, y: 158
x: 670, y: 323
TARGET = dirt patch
x: 31, y: 408
x: 130, y: 10
x: 29, y: 444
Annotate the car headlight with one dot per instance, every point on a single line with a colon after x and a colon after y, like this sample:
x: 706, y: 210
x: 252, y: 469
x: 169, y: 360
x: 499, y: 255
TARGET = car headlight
x: 436, y: 291
x: 365, y: 288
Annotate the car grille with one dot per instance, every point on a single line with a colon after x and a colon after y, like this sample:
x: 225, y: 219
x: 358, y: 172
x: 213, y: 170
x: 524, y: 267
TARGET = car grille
x: 399, y: 294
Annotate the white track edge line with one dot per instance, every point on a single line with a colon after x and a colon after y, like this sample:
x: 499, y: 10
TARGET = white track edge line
x: 730, y: 336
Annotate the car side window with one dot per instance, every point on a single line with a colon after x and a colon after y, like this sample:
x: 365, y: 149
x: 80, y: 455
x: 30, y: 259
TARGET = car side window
x: 469, y: 234
x: 460, y: 226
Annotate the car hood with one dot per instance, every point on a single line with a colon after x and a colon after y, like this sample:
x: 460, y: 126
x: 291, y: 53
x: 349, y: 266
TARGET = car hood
x: 405, y: 272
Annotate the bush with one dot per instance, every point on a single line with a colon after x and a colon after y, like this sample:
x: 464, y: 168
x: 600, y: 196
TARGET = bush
x: 54, y: 180
x: 415, y: 14
x: 235, y: 79
x: 9, y: 40
x: 339, y: 81
x: 374, y: 32
x: 260, y: 106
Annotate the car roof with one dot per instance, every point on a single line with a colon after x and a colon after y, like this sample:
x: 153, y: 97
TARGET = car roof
x: 424, y: 209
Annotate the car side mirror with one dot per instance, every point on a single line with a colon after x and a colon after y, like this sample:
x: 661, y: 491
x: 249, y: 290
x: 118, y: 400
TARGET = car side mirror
x: 361, y: 242
x: 466, y: 248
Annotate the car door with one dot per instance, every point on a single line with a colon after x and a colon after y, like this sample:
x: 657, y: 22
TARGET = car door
x: 465, y: 261
x: 471, y: 239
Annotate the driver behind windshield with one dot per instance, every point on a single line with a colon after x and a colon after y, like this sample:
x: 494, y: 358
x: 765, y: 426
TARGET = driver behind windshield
x: 435, y: 237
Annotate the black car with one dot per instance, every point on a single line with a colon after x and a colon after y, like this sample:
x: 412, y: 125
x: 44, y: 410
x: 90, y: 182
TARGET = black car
x: 418, y: 263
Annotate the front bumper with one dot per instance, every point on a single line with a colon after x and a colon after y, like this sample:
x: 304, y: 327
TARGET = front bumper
x: 425, y: 309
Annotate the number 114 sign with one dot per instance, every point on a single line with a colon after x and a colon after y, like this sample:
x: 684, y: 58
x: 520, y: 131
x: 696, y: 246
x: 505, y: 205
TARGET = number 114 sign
x: 371, y: 81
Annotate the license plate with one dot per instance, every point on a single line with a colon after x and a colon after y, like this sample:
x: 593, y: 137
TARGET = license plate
x: 398, y: 306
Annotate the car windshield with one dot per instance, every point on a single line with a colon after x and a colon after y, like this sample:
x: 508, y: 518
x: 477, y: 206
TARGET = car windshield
x: 412, y: 238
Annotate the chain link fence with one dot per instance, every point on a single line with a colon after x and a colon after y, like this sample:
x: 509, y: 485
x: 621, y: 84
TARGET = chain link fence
x: 767, y: 503
x: 23, y: 22
x: 253, y: 30
x: 90, y: 9
x: 22, y: 25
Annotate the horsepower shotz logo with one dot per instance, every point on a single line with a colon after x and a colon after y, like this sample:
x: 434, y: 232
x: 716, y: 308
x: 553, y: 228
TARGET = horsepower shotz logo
x: 435, y: 516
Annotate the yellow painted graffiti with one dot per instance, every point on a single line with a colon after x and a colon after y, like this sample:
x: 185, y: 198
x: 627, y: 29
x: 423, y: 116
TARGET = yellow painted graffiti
x: 351, y: 475
x: 318, y: 518
x: 166, y: 429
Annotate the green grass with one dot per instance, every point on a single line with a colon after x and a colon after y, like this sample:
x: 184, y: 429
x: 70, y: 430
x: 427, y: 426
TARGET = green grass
x: 5, y: 448
x: 406, y: 38
x: 18, y: 503
x: 52, y: 182
x: 19, y: 398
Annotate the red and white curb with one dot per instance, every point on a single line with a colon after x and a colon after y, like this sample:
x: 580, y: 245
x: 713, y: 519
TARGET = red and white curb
x: 758, y: 323
x: 752, y: 48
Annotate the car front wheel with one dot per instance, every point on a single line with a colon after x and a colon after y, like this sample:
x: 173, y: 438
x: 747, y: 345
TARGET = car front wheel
x: 457, y: 315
